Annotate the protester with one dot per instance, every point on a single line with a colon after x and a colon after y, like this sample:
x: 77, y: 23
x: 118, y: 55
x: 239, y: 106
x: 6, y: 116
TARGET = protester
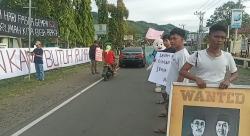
x: 38, y: 60
x: 166, y: 42
x: 109, y: 58
x: 169, y: 49
x: 92, y: 52
x: 211, y: 64
x: 158, y: 46
x: 177, y: 38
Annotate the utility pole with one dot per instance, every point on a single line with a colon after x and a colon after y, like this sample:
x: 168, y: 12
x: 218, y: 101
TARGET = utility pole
x: 236, y: 33
x: 200, y: 32
x: 29, y: 22
x: 182, y: 25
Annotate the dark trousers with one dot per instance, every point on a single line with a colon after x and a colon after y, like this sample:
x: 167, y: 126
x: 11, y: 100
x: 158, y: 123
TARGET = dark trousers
x: 93, y: 67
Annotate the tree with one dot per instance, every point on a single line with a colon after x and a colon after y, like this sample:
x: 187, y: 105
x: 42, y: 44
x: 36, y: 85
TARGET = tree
x: 103, y: 18
x: 223, y: 14
x: 122, y: 15
x: 85, y: 19
x: 102, y: 6
x: 65, y: 16
x: 75, y: 25
x: 15, y: 5
x: 117, y: 23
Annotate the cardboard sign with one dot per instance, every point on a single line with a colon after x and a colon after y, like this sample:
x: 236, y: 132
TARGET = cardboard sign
x: 209, y: 112
x: 161, y: 67
x: 154, y: 34
x: 98, y: 54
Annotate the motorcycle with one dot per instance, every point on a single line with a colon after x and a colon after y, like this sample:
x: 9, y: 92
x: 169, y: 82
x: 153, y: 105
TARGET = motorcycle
x: 107, y: 72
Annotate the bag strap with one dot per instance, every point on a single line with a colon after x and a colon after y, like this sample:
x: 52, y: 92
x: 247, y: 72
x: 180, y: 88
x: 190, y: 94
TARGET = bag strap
x: 196, y: 61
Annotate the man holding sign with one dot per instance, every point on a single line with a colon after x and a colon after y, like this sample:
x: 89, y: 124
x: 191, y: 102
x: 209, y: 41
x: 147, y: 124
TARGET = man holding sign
x: 177, y: 38
x: 178, y: 59
x: 212, y: 63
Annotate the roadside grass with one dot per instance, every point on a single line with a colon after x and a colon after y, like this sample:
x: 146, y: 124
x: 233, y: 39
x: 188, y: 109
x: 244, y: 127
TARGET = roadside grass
x: 21, y: 85
x: 244, y: 77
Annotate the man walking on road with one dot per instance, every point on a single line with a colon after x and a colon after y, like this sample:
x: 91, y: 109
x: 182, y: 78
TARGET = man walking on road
x: 38, y: 60
x: 92, y: 52
x: 212, y: 63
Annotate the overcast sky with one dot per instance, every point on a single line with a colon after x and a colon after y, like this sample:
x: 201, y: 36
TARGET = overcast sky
x: 175, y: 12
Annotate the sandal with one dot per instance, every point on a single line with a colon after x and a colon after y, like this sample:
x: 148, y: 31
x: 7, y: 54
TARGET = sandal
x: 162, y: 115
x: 160, y: 131
x: 160, y: 102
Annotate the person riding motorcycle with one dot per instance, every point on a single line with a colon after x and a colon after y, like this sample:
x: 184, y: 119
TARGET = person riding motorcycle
x: 109, y: 58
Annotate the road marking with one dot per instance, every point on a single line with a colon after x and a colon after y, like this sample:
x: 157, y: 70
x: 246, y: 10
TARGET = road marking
x: 19, y: 132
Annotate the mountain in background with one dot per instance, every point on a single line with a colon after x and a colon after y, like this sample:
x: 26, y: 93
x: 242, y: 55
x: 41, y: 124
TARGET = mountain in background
x: 141, y: 27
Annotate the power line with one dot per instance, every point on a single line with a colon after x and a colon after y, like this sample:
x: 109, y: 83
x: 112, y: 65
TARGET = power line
x: 208, y: 4
x: 213, y: 4
x: 202, y: 6
x: 200, y: 14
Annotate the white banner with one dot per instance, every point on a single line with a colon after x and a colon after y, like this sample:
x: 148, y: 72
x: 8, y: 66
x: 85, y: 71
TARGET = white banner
x: 161, y: 67
x: 15, y: 61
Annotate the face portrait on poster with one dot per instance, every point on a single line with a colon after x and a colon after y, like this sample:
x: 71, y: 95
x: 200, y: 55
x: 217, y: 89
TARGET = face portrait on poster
x: 209, y: 111
x: 210, y: 121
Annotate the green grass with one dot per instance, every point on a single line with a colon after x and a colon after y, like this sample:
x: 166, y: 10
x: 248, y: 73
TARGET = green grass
x: 244, y: 77
x: 21, y: 85
x: 244, y: 72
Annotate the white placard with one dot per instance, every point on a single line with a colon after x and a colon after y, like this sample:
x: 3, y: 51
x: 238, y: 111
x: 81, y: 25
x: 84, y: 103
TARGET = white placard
x: 161, y: 67
x: 98, y: 54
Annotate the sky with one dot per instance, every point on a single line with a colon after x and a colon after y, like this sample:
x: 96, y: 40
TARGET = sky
x: 176, y: 12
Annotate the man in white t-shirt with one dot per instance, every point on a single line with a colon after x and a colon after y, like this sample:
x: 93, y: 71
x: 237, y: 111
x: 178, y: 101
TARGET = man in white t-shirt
x: 177, y: 36
x: 210, y: 65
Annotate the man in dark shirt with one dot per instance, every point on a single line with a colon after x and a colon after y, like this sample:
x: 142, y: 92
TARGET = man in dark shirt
x: 38, y: 60
x: 167, y: 44
x: 92, y: 52
x: 168, y: 49
x: 165, y: 97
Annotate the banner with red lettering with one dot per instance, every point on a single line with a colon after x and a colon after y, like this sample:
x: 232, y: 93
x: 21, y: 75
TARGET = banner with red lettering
x: 15, y: 61
x: 98, y: 54
x: 209, y: 112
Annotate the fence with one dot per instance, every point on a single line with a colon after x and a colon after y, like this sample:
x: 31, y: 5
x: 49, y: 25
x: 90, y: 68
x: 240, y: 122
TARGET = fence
x: 242, y: 62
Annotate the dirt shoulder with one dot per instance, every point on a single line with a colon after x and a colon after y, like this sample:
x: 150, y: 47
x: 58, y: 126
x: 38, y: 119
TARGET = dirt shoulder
x: 23, y: 100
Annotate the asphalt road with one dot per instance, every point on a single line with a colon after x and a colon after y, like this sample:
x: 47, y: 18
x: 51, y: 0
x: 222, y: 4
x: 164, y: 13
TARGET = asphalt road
x: 122, y: 106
